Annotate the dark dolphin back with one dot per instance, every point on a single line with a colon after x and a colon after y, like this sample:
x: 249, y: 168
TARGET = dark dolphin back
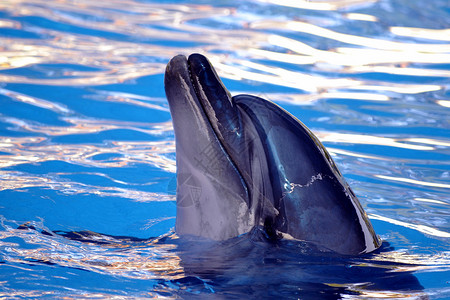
x: 313, y: 200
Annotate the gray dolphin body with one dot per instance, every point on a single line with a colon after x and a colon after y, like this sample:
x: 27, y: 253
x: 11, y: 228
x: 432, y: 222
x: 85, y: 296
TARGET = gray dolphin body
x: 244, y: 162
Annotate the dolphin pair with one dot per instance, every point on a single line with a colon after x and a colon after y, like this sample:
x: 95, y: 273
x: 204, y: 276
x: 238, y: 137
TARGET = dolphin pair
x: 244, y: 162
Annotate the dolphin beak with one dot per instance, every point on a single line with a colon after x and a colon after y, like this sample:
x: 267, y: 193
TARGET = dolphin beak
x: 199, y: 85
x: 188, y: 116
x: 212, y: 196
x: 203, y: 95
x: 215, y: 98
x: 224, y: 116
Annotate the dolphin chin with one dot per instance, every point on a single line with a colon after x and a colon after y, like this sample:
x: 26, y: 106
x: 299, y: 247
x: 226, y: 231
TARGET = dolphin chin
x: 244, y: 162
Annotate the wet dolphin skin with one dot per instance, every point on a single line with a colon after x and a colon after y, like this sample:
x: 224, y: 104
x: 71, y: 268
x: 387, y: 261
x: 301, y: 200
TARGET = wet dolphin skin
x: 244, y: 162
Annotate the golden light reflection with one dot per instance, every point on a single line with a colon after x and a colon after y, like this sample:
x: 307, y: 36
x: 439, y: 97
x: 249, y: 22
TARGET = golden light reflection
x: 29, y: 294
x: 116, y: 59
x: 344, y: 60
x: 431, y: 201
x: 58, y: 108
x: 400, y: 88
x: 112, y: 42
x: 354, y: 154
x: 4, y: 23
x: 279, y: 76
x: 444, y: 103
x: 117, y: 75
x: 18, y: 181
x: 413, y: 260
x: 319, y: 5
x: 150, y: 260
x: 421, y: 228
x: 361, y: 17
x: 83, y: 126
x: 336, y: 151
x: 368, y: 140
x: 414, y: 181
x: 401, y: 71
x: 422, y: 33
x: 354, y: 96
x: 12, y: 62
x: 428, y: 141
x: 33, y: 150
x: 311, y: 98
x: 365, y: 41
x: 136, y: 100
x: 374, y: 54
x: 367, y: 294
x: 153, y: 153
x: 282, y: 57
x: 394, y: 56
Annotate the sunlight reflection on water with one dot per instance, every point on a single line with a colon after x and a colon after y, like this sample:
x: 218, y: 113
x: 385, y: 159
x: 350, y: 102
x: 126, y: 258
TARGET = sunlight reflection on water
x: 85, y: 131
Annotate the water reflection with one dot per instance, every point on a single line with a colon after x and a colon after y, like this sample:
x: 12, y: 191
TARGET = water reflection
x: 416, y: 182
x: 57, y: 182
x: 114, y: 59
x: 422, y: 228
x: 422, y: 33
x: 177, y: 265
x: 321, y: 5
x: 96, y: 253
x: 361, y: 17
x: 368, y: 140
x: 45, y: 104
x: 84, y: 122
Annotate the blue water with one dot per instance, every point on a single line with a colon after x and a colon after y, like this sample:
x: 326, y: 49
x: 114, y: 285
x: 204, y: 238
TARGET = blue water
x: 87, y: 147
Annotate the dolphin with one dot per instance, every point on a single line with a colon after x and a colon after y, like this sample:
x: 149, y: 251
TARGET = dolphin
x: 245, y: 163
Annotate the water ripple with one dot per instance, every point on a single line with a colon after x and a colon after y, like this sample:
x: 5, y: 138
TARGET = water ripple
x: 85, y: 130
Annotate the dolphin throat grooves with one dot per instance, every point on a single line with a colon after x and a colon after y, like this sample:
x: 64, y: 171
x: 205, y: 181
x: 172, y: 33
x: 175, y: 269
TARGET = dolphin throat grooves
x: 244, y: 162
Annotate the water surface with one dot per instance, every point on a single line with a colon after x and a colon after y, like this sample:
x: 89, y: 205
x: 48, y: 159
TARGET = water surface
x: 87, y: 146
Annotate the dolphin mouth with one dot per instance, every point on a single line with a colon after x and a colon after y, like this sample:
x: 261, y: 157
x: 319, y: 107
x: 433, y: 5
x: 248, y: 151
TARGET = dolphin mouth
x: 235, y: 132
x: 211, y: 94
x: 209, y: 102
x: 223, y: 115
x: 216, y: 100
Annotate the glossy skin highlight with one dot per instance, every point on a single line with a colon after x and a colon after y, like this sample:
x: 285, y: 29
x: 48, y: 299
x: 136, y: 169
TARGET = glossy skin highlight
x: 244, y: 162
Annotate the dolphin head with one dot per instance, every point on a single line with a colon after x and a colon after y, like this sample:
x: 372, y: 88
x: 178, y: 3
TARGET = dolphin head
x: 244, y: 162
